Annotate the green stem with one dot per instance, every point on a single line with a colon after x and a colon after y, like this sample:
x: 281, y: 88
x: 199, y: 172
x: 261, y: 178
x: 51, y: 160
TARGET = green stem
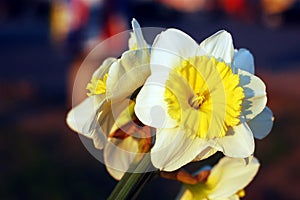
x: 133, y: 182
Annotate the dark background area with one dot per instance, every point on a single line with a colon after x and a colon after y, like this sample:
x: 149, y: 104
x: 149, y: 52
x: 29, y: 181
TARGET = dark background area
x: 42, y: 159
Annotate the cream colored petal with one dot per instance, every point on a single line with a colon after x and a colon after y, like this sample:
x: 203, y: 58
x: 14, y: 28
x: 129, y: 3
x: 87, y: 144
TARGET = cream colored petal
x: 103, y: 69
x: 193, y: 192
x: 99, y: 128
x: 233, y: 197
x: 229, y: 176
x: 173, y: 149
x: 206, y: 153
x: 255, y: 94
x: 262, y: 124
x: 98, y: 137
x: 243, y: 60
x: 150, y: 108
x: 136, y: 41
x: 219, y: 45
x: 119, y: 154
x: 126, y: 115
x: 83, y: 119
x: 81, y: 116
x: 114, y: 115
x: 185, y: 194
x: 127, y: 74
x: 239, y: 142
x: 170, y: 48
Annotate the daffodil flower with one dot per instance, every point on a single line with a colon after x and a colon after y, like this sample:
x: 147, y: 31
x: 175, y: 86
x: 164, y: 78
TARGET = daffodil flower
x: 200, y: 98
x: 109, y: 106
x: 226, y: 181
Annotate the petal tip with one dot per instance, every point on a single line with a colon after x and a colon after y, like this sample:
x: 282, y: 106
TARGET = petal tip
x: 135, y: 24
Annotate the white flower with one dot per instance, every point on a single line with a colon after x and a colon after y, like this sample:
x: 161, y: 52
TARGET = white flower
x: 226, y: 181
x: 109, y: 106
x: 200, y: 99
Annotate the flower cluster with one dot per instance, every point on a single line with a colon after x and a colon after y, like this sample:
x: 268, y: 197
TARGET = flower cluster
x: 181, y: 102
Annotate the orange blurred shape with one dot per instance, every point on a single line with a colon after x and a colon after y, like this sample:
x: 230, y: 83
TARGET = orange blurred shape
x: 60, y: 20
x: 67, y: 16
x: 186, y: 5
x: 276, y: 6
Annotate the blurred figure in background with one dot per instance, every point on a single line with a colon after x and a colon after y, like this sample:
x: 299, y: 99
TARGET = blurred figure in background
x: 79, y: 25
x: 273, y: 11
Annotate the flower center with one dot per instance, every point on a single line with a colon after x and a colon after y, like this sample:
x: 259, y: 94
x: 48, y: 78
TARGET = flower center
x: 204, y: 93
x: 97, y: 86
x: 197, y: 101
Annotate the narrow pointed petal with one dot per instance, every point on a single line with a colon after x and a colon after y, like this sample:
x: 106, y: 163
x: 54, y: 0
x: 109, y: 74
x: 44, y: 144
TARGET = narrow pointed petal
x: 231, y: 175
x: 119, y: 154
x: 137, y: 39
x: 219, y: 45
x: 255, y: 94
x: 262, y: 124
x: 243, y: 60
x: 173, y: 149
x: 239, y: 142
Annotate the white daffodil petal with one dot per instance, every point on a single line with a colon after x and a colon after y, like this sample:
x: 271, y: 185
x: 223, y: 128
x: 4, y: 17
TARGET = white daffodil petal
x: 229, y: 176
x: 244, y: 60
x: 83, y: 119
x: 136, y: 40
x: 81, y: 116
x: 255, y: 94
x: 262, y: 124
x: 219, y: 45
x: 127, y: 74
x: 173, y: 149
x: 119, y: 154
x: 100, y: 72
x: 150, y: 108
x: 239, y: 142
x: 206, y: 153
x: 99, y: 139
x: 233, y: 197
x: 169, y: 48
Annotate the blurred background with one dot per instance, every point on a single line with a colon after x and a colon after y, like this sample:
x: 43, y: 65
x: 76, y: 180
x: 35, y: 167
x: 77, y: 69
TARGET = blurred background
x: 42, y: 44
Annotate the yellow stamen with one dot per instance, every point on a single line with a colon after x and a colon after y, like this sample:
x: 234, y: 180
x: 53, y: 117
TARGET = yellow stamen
x: 97, y: 86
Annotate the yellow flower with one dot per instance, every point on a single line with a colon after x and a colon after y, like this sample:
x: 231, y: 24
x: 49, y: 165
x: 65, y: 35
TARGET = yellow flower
x: 200, y: 98
x: 226, y: 181
x: 109, y: 107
